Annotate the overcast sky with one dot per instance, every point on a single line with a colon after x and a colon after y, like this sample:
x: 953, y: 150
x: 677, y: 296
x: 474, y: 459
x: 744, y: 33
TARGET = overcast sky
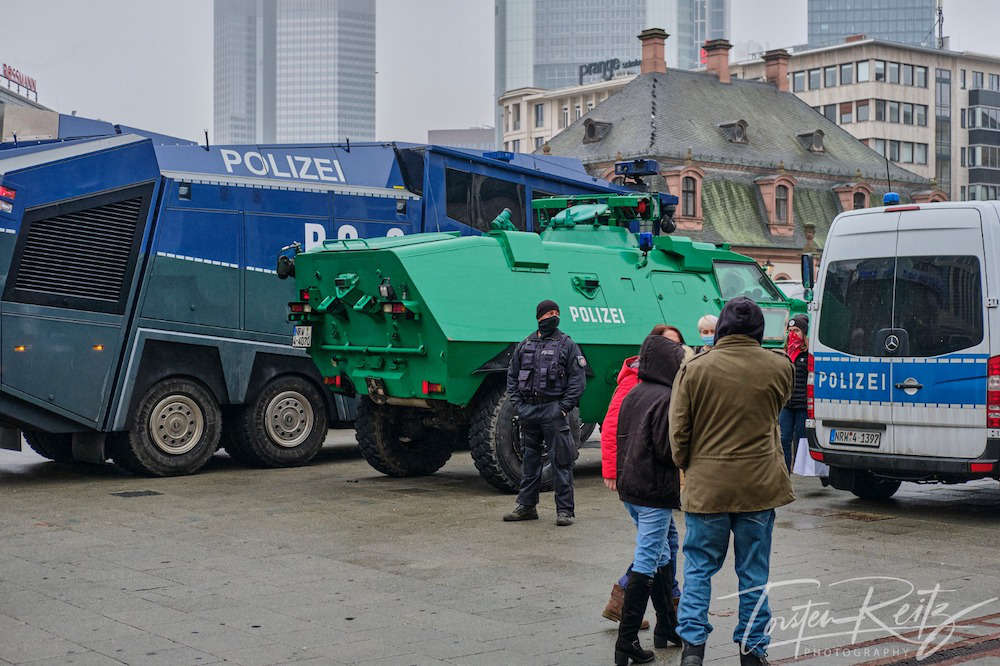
x: 148, y: 63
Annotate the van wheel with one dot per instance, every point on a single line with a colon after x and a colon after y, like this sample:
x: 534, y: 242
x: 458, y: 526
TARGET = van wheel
x: 173, y: 430
x: 870, y: 487
x: 495, y: 442
x: 395, y: 442
x: 284, y: 426
x: 54, y: 446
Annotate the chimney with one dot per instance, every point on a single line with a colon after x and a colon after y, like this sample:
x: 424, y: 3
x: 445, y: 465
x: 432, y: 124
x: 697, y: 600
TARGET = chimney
x: 653, y: 50
x: 776, y: 68
x: 717, y: 52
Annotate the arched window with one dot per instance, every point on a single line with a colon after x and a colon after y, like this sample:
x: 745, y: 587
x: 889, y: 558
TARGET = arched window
x: 781, y: 203
x: 687, y: 197
x: 859, y: 200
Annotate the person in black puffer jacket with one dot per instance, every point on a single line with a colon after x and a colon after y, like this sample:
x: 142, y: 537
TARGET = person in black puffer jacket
x: 649, y: 484
x: 793, y: 417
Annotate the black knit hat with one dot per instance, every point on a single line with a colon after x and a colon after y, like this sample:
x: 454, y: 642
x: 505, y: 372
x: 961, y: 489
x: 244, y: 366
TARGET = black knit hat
x: 801, y: 322
x: 740, y: 316
x: 544, y: 307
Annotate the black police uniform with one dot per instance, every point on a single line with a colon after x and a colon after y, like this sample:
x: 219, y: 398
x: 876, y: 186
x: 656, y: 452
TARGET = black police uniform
x: 545, y: 380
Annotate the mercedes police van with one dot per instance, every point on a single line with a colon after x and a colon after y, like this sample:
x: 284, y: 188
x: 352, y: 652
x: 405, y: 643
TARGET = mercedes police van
x: 904, y: 374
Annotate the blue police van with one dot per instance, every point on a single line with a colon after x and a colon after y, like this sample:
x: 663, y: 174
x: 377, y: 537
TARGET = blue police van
x: 141, y: 318
x: 905, y: 371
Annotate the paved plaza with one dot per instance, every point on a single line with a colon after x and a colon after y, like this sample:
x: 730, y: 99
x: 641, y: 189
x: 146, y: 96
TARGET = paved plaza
x: 337, y: 564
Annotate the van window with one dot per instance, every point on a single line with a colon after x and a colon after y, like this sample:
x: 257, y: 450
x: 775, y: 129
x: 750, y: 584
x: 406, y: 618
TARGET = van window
x: 494, y: 196
x: 745, y: 279
x: 938, y: 302
x: 458, y: 191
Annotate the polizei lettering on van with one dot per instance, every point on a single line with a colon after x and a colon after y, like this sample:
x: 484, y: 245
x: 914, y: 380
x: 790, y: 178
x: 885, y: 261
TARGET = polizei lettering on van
x: 299, y: 167
x: 595, y: 315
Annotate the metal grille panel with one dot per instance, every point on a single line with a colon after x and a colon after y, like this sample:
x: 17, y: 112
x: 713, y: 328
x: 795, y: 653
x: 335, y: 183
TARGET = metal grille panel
x: 80, y: 255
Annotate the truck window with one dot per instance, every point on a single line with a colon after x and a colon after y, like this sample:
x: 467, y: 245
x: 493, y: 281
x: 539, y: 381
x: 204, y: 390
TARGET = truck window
x: 939, y: 303
x: 494, y: 196
x: 458, y: 194
x: 744, y: 279
x: 857, y: 303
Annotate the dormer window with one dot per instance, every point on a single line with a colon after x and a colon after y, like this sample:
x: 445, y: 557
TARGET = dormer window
x: 812, y: 141
x: 735, y: 132
x: 595, y: 130
x: 860, y: 200
x: 778, y: 193
x: 781, y: 203
x: 686, y: 182
x: 853, y: 196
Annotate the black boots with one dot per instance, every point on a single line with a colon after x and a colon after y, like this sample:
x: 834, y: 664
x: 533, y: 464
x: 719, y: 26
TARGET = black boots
x: 665, y: 632
x: 636, y: 597
x: 752, y: 659
x: 693, y: 655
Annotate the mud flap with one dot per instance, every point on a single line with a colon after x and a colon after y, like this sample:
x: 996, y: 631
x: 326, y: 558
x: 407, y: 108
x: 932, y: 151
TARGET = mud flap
x: 10, y: 439
x: 88, y: 447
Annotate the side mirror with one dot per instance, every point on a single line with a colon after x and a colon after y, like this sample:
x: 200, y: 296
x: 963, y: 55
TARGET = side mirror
x: 808, y: 277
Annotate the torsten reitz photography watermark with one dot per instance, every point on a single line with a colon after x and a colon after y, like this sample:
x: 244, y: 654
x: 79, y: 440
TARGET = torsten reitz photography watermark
x: 892, y: 607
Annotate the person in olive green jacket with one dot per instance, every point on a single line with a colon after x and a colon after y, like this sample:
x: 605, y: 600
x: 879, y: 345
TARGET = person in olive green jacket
x: 724, y: 435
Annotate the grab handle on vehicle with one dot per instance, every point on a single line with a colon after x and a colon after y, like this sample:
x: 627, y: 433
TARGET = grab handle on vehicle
x: 909, y: 385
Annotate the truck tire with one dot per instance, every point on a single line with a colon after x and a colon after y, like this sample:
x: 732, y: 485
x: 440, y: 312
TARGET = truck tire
x: 54, y: 446
x: 492, y: 442
x: 870, y: 487
x: 284, y: 426
x: 173, y: 430
x: 396, y: 450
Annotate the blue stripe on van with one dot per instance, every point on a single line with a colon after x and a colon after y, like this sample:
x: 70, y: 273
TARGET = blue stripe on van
x: 953, y: 380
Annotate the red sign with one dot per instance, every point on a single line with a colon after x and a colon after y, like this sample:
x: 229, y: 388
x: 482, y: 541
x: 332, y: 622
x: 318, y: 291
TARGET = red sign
x: 16, y: 76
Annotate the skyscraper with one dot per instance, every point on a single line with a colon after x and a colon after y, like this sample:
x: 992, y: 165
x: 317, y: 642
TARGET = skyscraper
x: 294, y: 70
x: 552, y: 43
x: 906, y: 21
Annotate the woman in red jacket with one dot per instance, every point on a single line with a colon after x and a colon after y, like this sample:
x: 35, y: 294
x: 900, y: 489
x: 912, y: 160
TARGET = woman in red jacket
x: 628, y: 377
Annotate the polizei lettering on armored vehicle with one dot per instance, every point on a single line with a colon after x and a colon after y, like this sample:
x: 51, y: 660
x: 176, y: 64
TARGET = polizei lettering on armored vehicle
x: 595, y: 315
x: 301, y: 167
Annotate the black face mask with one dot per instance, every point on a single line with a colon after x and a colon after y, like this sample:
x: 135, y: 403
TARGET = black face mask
x: 548, y: 326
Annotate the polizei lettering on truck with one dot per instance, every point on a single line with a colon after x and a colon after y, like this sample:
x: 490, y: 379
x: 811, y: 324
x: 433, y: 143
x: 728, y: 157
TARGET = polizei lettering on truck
x: 595, y: 315
x: 301, y: 167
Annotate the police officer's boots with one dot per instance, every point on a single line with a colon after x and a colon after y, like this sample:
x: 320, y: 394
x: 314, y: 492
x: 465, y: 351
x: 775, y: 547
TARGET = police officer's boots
x: 665, y: 632
x: 693, y: 655
x: 627, y: 646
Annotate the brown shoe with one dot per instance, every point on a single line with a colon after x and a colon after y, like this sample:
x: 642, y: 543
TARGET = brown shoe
x: 613, y: 610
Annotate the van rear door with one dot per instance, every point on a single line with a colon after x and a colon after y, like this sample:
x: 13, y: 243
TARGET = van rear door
x: 939, y: 368
x: 852, y: 377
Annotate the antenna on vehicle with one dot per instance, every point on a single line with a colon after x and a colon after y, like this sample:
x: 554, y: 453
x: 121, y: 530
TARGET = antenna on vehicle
x: 15, y: 139
x: 206, y: 140
x: 348, y: 144
x: 887, y: 177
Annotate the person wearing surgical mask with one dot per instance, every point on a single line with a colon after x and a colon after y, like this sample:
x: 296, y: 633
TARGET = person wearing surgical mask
x: 793, y: 417
x: 706, y: 329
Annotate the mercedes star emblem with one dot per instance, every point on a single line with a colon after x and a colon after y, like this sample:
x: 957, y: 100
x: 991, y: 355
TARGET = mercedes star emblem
x: 891, y: 343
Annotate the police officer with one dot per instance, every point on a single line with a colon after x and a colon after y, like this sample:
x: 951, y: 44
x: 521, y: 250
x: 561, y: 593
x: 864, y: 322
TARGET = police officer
x: 545, y: 380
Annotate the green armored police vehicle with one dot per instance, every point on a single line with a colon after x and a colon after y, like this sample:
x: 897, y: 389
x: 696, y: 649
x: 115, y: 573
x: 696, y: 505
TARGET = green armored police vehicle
x: 422, y: 327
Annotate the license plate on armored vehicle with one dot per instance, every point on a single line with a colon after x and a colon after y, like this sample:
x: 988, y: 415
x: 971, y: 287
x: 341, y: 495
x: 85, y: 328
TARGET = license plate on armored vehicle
x: 856, y: 438
x: 302, y: 336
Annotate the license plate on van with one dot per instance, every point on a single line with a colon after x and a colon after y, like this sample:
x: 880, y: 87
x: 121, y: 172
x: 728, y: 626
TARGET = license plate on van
x: 302, y: 336
x: 856, y: 438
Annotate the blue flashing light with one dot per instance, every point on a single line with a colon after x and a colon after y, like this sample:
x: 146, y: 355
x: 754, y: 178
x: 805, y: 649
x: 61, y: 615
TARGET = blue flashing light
x: 890, y: 198
x: 637, y: 168
x: 646, y: 241
x: 502, y: 155
x: 668, y: 200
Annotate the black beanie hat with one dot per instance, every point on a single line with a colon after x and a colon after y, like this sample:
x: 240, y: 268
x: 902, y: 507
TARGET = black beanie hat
x: 544, y: 307
x: 740, y: 316
x: 801, y: 322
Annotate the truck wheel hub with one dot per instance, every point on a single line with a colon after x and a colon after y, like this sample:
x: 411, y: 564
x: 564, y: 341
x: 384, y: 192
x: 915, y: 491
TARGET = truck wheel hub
x: 289, y: 419
x: 176, y: 424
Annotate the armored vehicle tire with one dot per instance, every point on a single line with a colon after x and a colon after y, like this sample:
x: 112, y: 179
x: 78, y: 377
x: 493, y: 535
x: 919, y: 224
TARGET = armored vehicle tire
x: 397, y: 445
x: 869, y: 487
x: 174, y: 429
x: 54, y: 446
x: 491, y: 439
x: 284, y: 426
x: 586, y: 430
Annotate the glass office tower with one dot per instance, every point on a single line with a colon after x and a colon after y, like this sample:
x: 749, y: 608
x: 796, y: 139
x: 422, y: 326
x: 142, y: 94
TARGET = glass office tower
x: 907, y: 21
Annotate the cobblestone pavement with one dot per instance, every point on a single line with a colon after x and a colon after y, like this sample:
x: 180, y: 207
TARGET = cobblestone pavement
x: 337, y: 564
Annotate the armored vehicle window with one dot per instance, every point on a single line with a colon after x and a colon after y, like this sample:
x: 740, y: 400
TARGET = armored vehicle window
x: 494, y: 196
x: 458, y: 187
x: 744, y: 279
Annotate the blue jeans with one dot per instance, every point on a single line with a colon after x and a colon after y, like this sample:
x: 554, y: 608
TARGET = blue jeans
x: 793, y: 428
x: 705, y: 544
x: 673, y: 542
x: 652, y: 550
